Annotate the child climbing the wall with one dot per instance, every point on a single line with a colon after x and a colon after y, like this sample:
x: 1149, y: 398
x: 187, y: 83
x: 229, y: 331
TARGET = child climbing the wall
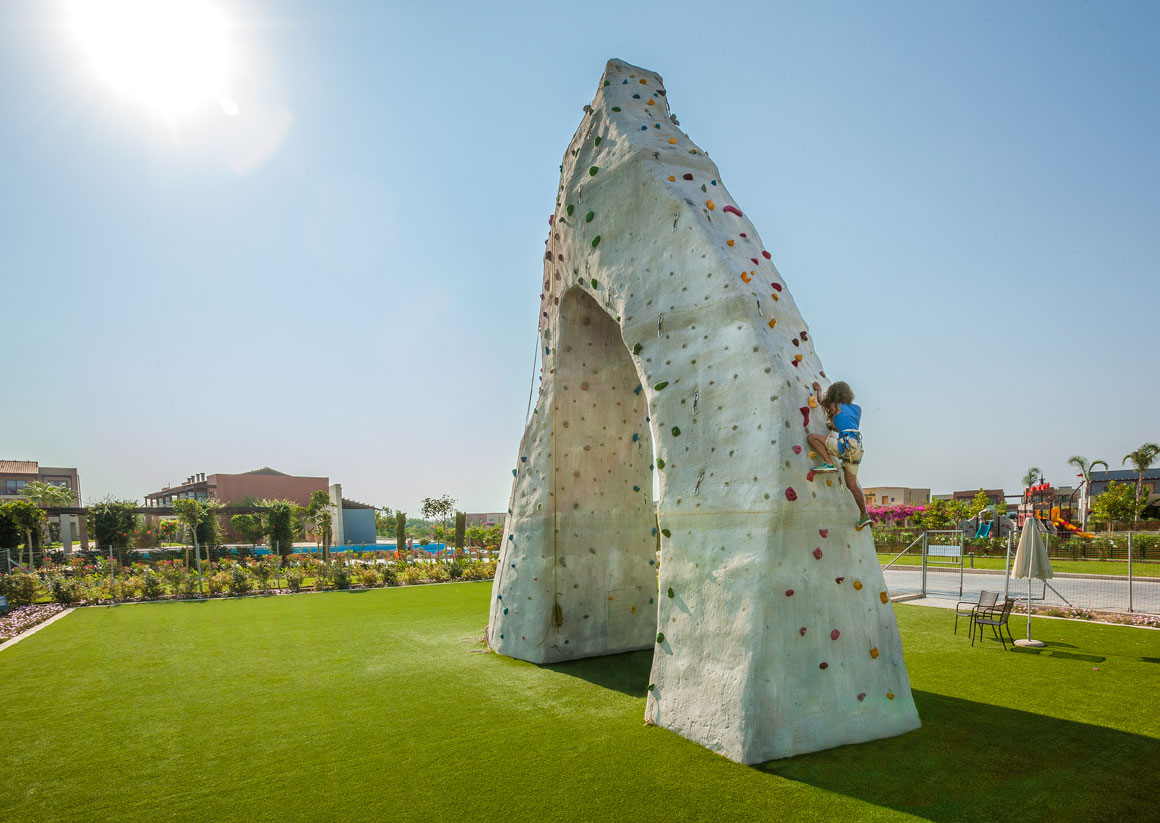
x: 844, y: 443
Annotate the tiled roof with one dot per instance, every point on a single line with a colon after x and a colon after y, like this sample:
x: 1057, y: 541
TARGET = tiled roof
x: 267, y: 470
x: 354, y: 504
x: 18, y: 467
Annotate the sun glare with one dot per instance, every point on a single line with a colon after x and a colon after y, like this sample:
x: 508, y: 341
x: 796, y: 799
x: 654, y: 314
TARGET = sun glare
x: 171, y: 56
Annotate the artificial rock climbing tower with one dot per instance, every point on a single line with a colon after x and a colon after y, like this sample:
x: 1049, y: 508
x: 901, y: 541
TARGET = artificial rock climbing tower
x: 663, y: 320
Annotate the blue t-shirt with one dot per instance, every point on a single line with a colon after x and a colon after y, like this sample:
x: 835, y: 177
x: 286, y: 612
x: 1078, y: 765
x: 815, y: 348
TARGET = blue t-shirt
x: 848, y: 417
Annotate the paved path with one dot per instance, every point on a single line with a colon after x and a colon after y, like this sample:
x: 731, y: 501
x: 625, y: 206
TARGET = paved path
x: 1090, y: 591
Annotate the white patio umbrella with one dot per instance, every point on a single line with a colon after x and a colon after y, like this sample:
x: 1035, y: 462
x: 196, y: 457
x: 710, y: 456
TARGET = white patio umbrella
x: 1031, y: 561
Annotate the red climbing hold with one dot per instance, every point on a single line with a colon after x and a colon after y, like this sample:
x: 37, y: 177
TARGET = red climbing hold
x: 766, y: 255
x: 834, y: 634
x: 861, y: 697
x: 789, y: 592
x: 790, y: 494
x: 817, y: 553
x: 756, y: 262
x: 775, y: 286
x: 810, y: 475
x: 551, y: 219
x: 824, y: 532
x: 823, y: 665
x: 803, y: 336
x: 687, y: 177
x: 803, y: 631
x: 734, y: 210
x: 805, y: 410
x: 795, y: 362
x: 797, y: 449
x: 839, y: 580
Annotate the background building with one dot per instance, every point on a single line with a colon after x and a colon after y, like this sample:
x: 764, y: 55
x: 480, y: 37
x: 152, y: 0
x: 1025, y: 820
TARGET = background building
x: 896, y: 496
x: 260, y: 484
x: 485, y: 519
x: 994, y: 496
x: 16, y: 474
x: 1150, y: 492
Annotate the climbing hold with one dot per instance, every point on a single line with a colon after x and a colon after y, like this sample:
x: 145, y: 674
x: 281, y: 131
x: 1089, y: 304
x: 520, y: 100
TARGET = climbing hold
x: 817, y: 553
x: 672, y: 179
x: 755, y: 261
x: 595, y: 283
x: 596, y: 142
x: 709, y: 203
x: 637, y: 390
x: 803, y: 337
x: 652, y: 687
x: 596, y: 241
x: 636, y: 97
x: 861, y: 696
x: 666, y: 533
x: 672, y: 141
x: 676, y: 431
x: 652, y: 102
x: 810, y: 475
x: 733, y: 210
x: 660, y: 637
x: 635, y: 437
x: 789, y: 592
x: 824, y: 532
x: 671, y: 591
x: 805, y: 410
x: 797, y: 449
x: 614, y: 108
x: 812, y: 402
x: 839, y: 580
x: 803, y: 631
x: 499, y: 597
x: 644, y: 128
x: 661, y: 385
x: 636, y: 488
x: 745, y: 276
x: 890, y: 695
x: 592, y: 171
x: 505, y: 611
x: 823, y: 665
x: 829, y: 482
x: 513, y: 472
x: 643, y: 82
x: 790, y: 494
x: 772, y: 322
x: 588, y: 217
x: 607, y: 82
x: 884, y: 597
x: 660, y: 463
x: 835, y: 634
x: 774, y: 286
x: 712, y: 182
x: 764, y: 253
x: 729, y: 242
x: 654, y: 531
x: 570, y: 209
x: 687, y: 176
x: 636, y: 348
x: 797, y: 358
x: 874, y: 653
x: 858, y: 585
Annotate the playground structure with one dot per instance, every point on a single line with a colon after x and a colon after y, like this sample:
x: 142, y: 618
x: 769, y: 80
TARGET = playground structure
x: 988, y: 523
x: 1042, y: 502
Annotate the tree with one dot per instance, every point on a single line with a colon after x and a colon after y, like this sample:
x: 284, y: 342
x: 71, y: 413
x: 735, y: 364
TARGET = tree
x: 1085, y: 468
x: 460, y: 528
x: 192, y: 513
x: 48, y: 494
x: 439, y: 508
x: 401, y: 532
x: 113, y: 522
x: 26, y: 518
x: 1117, y: 503
x: 10, y: 535
x: 384, y: 522
x: 1032, y: 477
x: 280, y: 522
x: 249, y: 527
x: 1141, y: 460
x: 321, y: 518
x: 978, y: 504
x: 938, y: 515
x: 168, y: 529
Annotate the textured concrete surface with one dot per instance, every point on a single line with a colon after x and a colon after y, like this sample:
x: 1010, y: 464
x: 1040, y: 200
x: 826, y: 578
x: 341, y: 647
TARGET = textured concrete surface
x: 664, y: 321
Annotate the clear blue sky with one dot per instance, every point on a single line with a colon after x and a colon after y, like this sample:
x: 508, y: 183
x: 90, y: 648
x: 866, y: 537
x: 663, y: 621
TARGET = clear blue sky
x: 343, y: 279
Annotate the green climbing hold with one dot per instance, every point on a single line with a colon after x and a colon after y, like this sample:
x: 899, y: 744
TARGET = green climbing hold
x: 607, y: 83
x: 676, y: 431
x: 594, y: 283
x: 671, y: 592
x: 569, y: 209
x: 636, y: 348
x: 661, y: 385
x: 652, y: 687
x: 592, y: 171
x: 667, y: 533
x: 588, y: 217
x: 596, y: 142
x: 660, y: 637
x: 660, y: 463
x: 596, y: 241
x: 616, y: 108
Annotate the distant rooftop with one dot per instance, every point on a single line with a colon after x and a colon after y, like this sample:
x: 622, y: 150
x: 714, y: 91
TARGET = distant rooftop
x: 19, y: 466
x: 267, y: 470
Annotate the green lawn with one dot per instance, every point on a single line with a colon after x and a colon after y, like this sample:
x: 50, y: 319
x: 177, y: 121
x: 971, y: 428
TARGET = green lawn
x: 371, y: 705
x: 1139, y: 569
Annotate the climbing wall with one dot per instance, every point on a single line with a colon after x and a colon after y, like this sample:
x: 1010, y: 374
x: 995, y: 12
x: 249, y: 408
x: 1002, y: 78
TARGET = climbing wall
x: 664, y: 321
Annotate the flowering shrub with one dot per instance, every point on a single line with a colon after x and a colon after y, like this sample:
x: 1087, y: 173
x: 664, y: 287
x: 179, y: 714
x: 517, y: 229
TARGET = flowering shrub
x: 20, y: 589
x: 65, y: 590
x: 294, y: 577
x: 240, y: 581
x: 24, y: 618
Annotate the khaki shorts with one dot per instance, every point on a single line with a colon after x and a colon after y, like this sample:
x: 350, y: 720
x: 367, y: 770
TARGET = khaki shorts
x: 853, y: 456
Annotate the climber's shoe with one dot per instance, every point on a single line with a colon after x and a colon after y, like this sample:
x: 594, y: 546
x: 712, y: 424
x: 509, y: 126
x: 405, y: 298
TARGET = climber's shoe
x: 824, y: 467
x: 863, y: 523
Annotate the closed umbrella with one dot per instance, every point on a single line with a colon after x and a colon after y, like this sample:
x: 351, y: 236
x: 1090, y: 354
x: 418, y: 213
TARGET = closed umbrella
x: 1031, y: 561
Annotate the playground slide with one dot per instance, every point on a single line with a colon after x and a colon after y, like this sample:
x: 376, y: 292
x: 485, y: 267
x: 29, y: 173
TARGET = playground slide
x: 1059, y: 522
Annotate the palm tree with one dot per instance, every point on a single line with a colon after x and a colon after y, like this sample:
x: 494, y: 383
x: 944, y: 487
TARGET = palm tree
x: 1031, y: 478
x: 1141, y: 460
x: 46, y: 495
x: 1086, y: 468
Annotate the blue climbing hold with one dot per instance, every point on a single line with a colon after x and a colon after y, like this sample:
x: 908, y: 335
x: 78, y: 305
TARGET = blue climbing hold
x: 523, y: 460
x: 636, y: 488
x: 636, y: 97
x: 654, y: 531
x: 644, y: 128
x: 499, y: 597
x: 637, y: 390
x: 635, y: 437
x: 505, y: 610
x: 513, y: 472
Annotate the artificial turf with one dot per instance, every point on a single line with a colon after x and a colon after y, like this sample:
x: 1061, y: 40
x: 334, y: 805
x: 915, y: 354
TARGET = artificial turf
x: 376, y: 705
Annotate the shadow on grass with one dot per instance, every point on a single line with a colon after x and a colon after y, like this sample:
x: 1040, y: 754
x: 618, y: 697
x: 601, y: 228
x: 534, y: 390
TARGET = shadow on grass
x: 974, y: 761
x: 626, y: 673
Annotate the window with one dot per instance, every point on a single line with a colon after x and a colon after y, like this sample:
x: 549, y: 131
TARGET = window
x: 14, y: 486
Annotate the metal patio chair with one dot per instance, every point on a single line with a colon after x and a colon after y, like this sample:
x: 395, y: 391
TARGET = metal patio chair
x: 966, y: 608
x: 996, y: 618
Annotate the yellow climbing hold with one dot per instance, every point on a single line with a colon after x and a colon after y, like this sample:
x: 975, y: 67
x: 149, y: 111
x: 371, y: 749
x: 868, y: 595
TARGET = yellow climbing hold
x: 709, y: 203
x: 652, y: 102
x: 874, y: 653
x: 890, y: 695
x: 643, y: 82
x: 772, y: 322
x: 672, y: 141
x: 884, y: 597
x: 813, y: 402
x: 729, y: 242
x: 745, y: 276
x: 797, y: 357
x: 829, y: 482
x: 634, y: 612
x: 813, y: 455
x: 858, y: 585
x: 610, y: 597
x: 775, y: 297
x: 672, y: 179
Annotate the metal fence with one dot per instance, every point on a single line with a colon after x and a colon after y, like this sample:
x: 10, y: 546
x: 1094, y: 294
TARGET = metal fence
x: 1116, y: 574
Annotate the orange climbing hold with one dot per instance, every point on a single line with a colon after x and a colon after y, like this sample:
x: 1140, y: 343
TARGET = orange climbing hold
x: 772, y: 322
x: 643, y: 82
x: 858, y: 585
x: 745, y: 276
x: 890, y: 695
x: 813, y: 402
x: 672, y: 141
x: 874, y: 653
x: 672, y: 179
x: 652, y: 102
x: 709, y: 203
x: 884, y: 597
x: 729, y: 242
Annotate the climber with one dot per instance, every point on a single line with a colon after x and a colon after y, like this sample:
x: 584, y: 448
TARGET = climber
x: 844, y: 443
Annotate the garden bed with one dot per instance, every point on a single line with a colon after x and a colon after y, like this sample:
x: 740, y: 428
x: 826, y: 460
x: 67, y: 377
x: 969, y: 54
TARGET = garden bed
x: 23, y: 618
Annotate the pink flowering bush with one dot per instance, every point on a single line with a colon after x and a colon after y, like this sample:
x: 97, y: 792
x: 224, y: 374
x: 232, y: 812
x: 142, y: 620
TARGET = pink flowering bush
x: 24, y: 618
